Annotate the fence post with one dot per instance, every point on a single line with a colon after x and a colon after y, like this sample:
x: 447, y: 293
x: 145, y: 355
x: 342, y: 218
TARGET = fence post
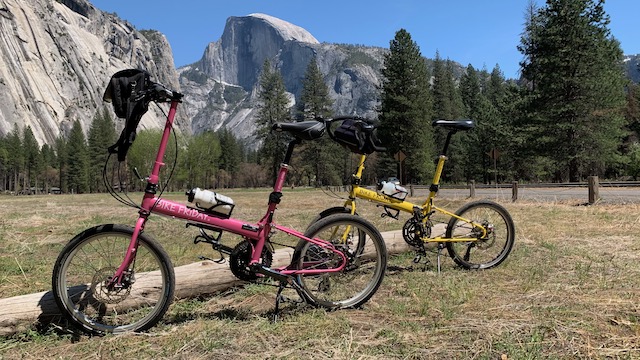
x: 472, y: 188
x: 411, y: 190
x: 514, y: 192
x: 594, y: 189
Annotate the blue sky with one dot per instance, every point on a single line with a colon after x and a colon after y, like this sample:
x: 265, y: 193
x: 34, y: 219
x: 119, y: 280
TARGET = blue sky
x: 476, y: 32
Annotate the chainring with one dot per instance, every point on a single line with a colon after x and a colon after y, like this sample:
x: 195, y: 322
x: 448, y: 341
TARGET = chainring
x: 241, y: 256
x: 414, y: 231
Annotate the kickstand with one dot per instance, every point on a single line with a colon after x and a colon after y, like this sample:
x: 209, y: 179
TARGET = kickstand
x: 279, y: 299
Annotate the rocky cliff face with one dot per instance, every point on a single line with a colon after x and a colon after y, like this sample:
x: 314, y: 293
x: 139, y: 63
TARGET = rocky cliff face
x: 221, y: 88
x: 632, y: 67
x: 56, y: 58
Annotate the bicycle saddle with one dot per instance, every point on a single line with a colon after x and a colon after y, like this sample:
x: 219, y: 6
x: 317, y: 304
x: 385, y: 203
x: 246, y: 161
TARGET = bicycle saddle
x: 304, y: 130
x: 455, y: 124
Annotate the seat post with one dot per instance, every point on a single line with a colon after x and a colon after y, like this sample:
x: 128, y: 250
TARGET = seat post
x: 446, y: 143
x: 292, y: 144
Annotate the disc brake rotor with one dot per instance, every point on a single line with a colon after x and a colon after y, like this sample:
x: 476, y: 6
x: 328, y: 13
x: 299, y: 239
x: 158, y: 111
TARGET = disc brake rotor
x: 102, y: 293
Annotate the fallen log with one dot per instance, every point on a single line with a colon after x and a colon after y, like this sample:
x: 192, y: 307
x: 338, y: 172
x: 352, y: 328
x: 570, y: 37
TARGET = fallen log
x: 205, y: 277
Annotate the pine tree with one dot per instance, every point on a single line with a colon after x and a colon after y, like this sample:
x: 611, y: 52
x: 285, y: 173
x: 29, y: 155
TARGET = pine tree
x: 322, y: 157
x: 49, y: 162
x: 231, y: 154
x: 405, y: 108
x: 230, y: 157
x: 273, y: 108
x: 4, y: 164
x: 16, y: 158
x: 77, y: 160
x: 61, y: 156
x: 477, y: 108
x: 573, y: 66
x: 102, y: 134
x: 32, y: 159
x: 495, y: 127
x: 442, y: 90
x: 632, y: 112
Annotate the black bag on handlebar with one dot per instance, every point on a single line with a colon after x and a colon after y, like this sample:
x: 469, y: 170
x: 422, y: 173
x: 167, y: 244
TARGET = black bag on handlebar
x: 352, y: 135
x: 126, y: 92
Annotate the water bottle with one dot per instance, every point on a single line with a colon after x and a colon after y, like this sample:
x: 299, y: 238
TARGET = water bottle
x: 393, y: 190
x: 210, y: 201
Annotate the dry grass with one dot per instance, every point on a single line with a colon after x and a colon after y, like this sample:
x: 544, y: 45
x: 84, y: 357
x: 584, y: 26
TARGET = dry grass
x: 569, y: 289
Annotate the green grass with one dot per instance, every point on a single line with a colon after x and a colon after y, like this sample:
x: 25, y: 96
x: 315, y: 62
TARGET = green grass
x: 569, y: 289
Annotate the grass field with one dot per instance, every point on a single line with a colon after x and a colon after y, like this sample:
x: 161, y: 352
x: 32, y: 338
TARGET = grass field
x: 569, y: 289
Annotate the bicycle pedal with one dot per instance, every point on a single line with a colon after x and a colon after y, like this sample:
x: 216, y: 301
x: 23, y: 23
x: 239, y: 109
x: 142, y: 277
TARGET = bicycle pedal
x: 416, y: 260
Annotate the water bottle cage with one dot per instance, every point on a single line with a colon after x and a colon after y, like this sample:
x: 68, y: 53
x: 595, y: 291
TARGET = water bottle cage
x: 434, y: 188
x: 388, y: 212
x: 212, y: 209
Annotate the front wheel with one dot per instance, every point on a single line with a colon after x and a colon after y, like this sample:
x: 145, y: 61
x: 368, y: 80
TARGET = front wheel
x: 488, y: 250
x: 86, y: 264
x: 366, y: 253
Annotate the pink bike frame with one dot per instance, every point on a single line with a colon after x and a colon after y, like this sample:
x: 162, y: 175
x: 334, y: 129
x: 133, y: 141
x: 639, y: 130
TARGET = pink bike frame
x: 257, y: 232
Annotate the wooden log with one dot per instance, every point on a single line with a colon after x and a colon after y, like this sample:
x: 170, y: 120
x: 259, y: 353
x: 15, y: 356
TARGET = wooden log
x: 205, y: 277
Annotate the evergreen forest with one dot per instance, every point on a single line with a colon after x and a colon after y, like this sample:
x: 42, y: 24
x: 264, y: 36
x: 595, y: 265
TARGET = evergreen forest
x: 573, y: 113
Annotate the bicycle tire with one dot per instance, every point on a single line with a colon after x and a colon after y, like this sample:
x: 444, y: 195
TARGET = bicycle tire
x: 94, y: 255
x: 358, y: 282
x: 330, y: 211
x: 336, y: 210
x: 487, y: 252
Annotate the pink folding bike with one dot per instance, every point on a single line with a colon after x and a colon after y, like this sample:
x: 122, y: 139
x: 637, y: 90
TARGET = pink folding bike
x: 115, y: 278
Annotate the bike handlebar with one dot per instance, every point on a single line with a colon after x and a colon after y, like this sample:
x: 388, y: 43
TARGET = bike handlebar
x: 159, y: 93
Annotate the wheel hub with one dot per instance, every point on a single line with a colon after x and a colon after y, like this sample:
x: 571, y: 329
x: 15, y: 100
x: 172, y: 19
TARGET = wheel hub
x: 106, y: 293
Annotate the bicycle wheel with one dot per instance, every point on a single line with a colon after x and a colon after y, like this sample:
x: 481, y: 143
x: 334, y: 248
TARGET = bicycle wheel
x: 362, y: 245
x: 488, y: 251
x: 91, y: 258
x: 333, y: 211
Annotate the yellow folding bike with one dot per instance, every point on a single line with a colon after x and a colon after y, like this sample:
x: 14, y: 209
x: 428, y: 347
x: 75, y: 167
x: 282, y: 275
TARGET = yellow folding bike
x: 479, y: 235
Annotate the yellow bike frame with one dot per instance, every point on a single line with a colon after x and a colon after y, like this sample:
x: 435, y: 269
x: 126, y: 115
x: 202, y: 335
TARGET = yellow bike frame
x: 426, y: 209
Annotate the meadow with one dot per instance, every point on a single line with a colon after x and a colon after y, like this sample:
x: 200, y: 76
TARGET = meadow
x: 569, y: 289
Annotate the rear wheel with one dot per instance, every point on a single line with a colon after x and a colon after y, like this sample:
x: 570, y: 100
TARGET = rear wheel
x: 87, y: 263
x: 488, y: 250
x: 364, y: 248
x: 333, y: 211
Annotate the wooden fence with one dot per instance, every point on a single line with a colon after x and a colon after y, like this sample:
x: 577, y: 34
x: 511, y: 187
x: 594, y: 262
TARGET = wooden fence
x: 592, y: 188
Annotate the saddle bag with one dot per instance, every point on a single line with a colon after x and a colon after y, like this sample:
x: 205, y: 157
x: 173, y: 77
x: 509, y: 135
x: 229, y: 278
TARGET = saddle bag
x: 353, y: 136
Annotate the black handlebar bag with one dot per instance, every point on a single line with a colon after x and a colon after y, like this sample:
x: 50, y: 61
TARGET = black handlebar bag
x: 126, y: 92
x: 357, y: 136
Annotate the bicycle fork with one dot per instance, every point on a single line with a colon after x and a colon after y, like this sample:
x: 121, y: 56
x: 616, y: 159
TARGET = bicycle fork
x: 123, y: 278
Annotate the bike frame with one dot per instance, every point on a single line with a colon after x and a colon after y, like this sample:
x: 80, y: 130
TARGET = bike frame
x: 426, y: 209
x: 258, y: 232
